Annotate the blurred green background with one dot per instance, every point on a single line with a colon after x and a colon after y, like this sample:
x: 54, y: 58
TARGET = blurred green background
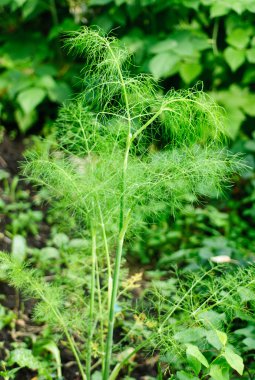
x: 180, y: 42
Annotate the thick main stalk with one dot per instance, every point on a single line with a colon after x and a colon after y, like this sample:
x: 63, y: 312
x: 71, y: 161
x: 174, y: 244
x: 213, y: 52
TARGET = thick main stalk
x: 123, y: 222
x: 116, y: 274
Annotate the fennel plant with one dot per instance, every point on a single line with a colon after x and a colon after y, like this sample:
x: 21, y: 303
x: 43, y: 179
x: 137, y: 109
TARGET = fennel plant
x: 123, y: 155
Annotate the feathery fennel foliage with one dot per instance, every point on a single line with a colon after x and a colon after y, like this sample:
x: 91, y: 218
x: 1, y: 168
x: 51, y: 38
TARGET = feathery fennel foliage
x: 124, y: 154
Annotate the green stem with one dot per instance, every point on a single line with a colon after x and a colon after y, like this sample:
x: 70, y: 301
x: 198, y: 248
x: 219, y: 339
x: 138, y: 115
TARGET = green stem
x: 91, y: 305
x: 75, y: 352
x: 140, y: 130
x: 107, y: 256
x: 123, y: 223
x: 100, y: 306
x: 109, y: 341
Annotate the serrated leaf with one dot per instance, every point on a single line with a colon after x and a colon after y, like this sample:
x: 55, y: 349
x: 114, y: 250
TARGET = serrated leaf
x: 235, y: 361
x: 194, y: 351
x: 239, y: 38
x: 234, y: 58
x: 30, y: 98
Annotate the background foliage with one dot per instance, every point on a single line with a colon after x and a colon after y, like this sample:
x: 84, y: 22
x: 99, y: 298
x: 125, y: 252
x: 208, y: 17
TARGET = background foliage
x: 178, y: 41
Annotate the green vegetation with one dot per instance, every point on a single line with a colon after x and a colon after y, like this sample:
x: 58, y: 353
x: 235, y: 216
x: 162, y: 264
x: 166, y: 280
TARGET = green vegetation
x: 125, y: 155
x: 128, y: 269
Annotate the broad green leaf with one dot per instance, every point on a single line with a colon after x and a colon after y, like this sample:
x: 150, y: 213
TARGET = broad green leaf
x: 19, y: 247
x: 234, y: 58
x: 48, y: 253
x: 194, y: 351
x: 97, y: 376
x: 20, y: 3
x: 29, y: 8
x: 235, y: 361
x: 53, y: 348
x: 245, y: 293
x: 162, y: 64
x: 46, y: 82
x: 246, y: 331
x: 194, y: 4
x: 239, y: 38
x: 60, y: 239
x: 235, y: 118
x: 218, y: 372
x: 250, y: 53
x: 4, y: 175
x: 24, y: 358
x: 194, y: 363
x: 190, y: 71
x: 163, y: 46
x: 218, y: 10
x: 250, y: 145
x: 248, y: 102
x: 223, y: 338
x: 192, y: 334
x: 183, y: 375
x: 30, y: 98
x: 189, y: 43
x: 25, y: 121
x: 249, y: 343
x: 59, y: 92
x: 212, y: 318
x: 213, y: 339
